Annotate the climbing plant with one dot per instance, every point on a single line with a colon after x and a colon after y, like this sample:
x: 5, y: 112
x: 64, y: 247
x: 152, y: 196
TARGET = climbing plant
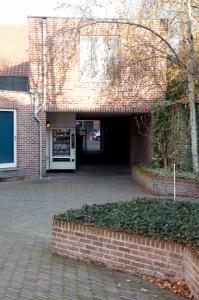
x: 171, y: 136
x: 176, y: 83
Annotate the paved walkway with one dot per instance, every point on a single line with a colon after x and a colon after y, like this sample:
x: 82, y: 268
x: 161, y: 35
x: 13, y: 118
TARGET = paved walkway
x: 27, y: 269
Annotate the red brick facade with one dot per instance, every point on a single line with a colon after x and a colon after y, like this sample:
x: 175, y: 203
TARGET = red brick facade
x: 139, y: 86
x: 127, y: 252
x: 27, y: 129
x: 141, y: 150
x: 54, y: 72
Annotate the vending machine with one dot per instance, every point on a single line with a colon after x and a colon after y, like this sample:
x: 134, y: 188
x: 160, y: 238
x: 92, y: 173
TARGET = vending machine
x: 62, y: 146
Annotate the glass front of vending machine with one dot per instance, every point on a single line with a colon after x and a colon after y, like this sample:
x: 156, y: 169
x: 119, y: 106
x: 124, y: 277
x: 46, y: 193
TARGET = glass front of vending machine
x: 62, y: 149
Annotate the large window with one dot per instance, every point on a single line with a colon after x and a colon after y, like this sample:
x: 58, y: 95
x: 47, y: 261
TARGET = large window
x: 99, y: 58
x: 14, y: 83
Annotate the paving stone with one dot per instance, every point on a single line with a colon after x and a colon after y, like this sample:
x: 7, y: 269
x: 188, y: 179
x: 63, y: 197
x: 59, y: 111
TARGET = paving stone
x: 27, y: 268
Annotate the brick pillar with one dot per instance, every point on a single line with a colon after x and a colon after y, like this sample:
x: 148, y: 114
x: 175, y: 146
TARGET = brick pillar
x: 141, y: 147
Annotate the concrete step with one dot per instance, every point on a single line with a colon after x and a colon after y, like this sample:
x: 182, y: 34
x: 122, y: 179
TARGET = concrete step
x: 11, y: 175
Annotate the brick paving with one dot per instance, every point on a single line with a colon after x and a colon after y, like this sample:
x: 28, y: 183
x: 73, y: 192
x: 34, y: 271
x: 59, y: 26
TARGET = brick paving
x: 27, y: 269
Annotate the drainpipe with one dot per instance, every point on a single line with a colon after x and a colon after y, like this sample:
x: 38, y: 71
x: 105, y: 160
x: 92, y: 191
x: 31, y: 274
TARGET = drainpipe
x: 35, y: 95
x: 44, y: 62
x: 36, y: 112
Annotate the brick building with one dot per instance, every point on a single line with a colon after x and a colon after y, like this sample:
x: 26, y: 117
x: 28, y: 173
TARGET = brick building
x: 57, y: 74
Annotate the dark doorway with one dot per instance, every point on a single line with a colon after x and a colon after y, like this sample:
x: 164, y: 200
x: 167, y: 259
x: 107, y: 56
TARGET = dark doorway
x: 113, y: 145
x: 116, y: 136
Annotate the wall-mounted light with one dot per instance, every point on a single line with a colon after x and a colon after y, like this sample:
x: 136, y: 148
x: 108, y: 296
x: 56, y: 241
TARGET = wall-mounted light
x: 48, y: 125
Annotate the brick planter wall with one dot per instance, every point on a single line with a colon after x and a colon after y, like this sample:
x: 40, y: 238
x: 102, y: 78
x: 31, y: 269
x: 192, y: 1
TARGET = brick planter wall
x: 159, y: 185
x: 126, y: 252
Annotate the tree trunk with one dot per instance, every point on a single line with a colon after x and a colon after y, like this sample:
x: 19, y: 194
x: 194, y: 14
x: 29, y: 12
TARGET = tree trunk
x: 191, y: 90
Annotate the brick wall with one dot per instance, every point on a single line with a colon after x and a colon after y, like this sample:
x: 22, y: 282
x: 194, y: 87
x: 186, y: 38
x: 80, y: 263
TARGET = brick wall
x: 191, y: 271
x: 139, y: 85
x: 126, y: 252
x: 65, y: 91
x: 141, y: 146
x: 27, y: 130
x: 159, y: 185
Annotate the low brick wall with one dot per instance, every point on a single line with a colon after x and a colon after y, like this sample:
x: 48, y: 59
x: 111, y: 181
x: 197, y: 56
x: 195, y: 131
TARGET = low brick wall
x: 126, y: 252
x: 159, y: 185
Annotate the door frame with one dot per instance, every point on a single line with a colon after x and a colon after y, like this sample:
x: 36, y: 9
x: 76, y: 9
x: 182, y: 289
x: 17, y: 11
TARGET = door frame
x: 14, y: 163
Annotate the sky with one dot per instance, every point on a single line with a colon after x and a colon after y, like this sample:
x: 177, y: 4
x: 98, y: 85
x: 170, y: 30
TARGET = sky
x: 16, y: 11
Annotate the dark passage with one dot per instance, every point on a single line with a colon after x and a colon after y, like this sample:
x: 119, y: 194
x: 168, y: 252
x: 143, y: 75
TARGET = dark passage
x: 113, y: 145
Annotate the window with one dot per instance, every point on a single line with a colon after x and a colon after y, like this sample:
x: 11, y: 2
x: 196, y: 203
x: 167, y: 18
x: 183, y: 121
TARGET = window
x: 98, y: 58
x: 14, y: 83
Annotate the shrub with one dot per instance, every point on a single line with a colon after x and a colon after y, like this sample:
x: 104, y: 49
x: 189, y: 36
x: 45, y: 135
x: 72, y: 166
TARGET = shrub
x: 158, y: 218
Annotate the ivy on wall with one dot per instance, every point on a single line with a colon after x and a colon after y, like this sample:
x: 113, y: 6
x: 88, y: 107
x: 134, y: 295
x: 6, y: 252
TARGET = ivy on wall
x: 171, y: 136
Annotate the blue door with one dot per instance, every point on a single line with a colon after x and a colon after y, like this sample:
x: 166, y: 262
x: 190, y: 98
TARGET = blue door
x: 7, y: 147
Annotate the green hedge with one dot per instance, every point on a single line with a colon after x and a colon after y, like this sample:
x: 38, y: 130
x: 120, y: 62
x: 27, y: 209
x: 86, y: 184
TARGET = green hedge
x: 158, y: 218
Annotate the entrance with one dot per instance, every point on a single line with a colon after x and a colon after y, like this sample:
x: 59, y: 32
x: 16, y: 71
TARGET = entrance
x: 103, y: 139
x: 7, y: 138
x: 87, y: 139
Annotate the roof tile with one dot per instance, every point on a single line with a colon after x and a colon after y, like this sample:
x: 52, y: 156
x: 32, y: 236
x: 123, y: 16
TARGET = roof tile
x: 14, y: 50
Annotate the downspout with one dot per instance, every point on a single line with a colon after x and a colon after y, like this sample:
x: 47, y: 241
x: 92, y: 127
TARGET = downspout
x: 44, y: 62
x: 36, y: 112
x: 35, y: 95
